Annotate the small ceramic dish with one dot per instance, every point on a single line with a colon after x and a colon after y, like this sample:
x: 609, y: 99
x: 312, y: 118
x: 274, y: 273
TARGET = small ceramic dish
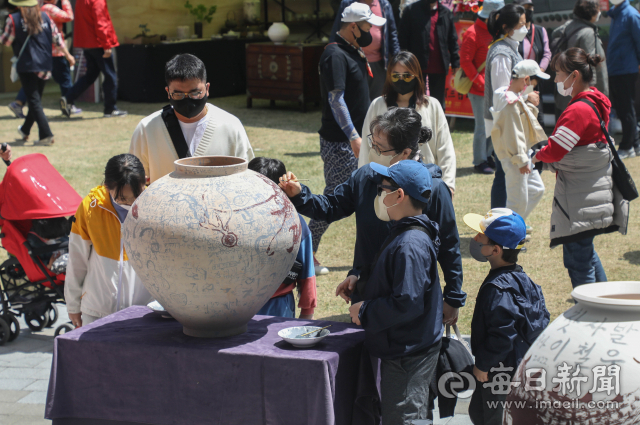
x: 291, y: 335
x: 158, y: 308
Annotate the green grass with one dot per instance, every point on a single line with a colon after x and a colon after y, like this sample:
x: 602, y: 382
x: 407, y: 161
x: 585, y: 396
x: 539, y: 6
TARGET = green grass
x: 83, y: 147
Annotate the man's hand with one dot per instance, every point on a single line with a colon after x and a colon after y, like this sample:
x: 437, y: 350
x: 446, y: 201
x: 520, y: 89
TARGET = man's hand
x: 76, y: 319
x: 534, y: 98
x: 71, y: 59
x: 345, y: 289
x: 353, y: 311
x: 534, y: 159
x: 107, y: 53
x: 6, y: 155
x: 289, y: 183
x: 480, y: 375
x: 449, y: 314
x: 355, y: 146
x: 526, y: 169
x: 306, y: 316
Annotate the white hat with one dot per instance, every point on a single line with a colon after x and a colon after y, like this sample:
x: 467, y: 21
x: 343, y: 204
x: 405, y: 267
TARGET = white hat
x: 489, y: 6
x: 360, y: 12
x: 528, y: 68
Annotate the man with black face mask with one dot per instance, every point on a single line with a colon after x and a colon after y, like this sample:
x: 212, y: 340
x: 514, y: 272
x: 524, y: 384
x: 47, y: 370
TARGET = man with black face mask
x: 189, y: 125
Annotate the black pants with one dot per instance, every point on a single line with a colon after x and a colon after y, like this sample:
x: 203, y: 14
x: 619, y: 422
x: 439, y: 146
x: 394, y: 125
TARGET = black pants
x: 485, y: 407
x: 96, y: 64
x: 623, y: 97
x: 437, y: 83
x: 33, y: 88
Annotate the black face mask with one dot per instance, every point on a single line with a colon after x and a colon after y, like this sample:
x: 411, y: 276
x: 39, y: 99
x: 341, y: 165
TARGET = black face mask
x: 365, y: 38
x: 188, y: 107
x: 402, y: 87
x: 528, y: 14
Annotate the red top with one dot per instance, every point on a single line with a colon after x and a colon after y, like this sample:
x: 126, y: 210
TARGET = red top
x: 577, y: 126
x: 473, y: 52
x: 373, y: 52
x: 92, y: 27
x: 436, y: 64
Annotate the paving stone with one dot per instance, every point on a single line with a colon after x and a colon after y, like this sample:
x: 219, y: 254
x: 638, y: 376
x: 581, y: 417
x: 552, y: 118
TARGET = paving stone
x: 36, y: 410
x: 45, y: 364
x: 31, y: 421
x: 39, y: 385
x: 11, y: 396
x: 15, y: 384
x: 36, y: 397
x: 7, y: 408
x: 18, y: 373
x: 8, y: 420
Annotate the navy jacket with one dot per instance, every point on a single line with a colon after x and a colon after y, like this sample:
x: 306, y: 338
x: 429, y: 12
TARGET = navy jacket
x: 402, y: 311
x: 390, y: 44
x: 623, y: 50
x: 37, y: 54
x: 509, y: 315
x: 357, y: 195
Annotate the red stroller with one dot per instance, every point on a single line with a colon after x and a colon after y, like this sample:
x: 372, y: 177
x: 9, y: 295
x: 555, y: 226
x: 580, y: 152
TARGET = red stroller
x: 31, y: 189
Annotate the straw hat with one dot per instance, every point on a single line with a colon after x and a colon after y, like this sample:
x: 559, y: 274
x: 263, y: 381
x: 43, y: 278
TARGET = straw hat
x: 24, y: 3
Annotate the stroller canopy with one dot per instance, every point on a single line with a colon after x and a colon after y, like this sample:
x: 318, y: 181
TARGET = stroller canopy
x: 33, y: 189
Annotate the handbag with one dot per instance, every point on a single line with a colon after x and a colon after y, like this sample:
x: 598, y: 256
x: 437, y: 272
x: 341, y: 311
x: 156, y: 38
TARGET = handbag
x: 619, y: 173
x: 14, y: 62
x: 462, y: 83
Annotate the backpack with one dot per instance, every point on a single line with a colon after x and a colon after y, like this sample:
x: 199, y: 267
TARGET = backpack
x: 560, y: 44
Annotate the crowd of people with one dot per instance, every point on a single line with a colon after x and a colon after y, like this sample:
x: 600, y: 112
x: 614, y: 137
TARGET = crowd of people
x: 389, y: 159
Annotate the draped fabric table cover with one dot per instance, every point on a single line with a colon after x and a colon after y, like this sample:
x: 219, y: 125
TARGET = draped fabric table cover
x: 136, y: 367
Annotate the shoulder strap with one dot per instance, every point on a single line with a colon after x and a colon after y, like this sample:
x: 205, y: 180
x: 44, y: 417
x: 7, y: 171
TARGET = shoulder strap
x: 175, y: 132
x: 602, y: 126
x: 23, y: 46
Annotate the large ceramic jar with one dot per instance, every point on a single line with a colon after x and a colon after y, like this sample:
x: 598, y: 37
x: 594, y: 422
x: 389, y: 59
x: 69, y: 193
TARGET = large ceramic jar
x: 212, y: 242
x: 278, y: 32
x: 585, y: 367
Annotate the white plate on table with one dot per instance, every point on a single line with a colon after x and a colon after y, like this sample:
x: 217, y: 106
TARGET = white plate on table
x: 158, y: 308
x: 291, y: 336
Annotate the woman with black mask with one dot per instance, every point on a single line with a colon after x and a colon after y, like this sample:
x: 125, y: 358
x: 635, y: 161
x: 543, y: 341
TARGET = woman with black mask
x: 404, y: 88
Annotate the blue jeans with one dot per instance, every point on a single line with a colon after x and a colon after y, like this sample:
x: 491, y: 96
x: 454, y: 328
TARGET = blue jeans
x: 96, y: 64
x: 499, y: 187
x: 582, y: 262
x: 61, y: 74
x: 283, y: 306
x: 482, y: 146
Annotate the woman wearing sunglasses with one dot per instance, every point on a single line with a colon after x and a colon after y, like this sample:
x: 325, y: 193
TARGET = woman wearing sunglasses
x: 403, y: 88
x: 394, y: 136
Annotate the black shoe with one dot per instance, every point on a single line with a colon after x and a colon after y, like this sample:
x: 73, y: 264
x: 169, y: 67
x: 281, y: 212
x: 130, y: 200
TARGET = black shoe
x: 115, y: 113
x: 65, y: 107
x: 491, y: 162
x: 483, y: 168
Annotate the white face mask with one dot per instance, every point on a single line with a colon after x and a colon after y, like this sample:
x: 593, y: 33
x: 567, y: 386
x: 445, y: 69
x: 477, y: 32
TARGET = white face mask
x: 598, y: 17
x: 126, y: 207
x: 384, y: 160
x: 519, y: 34
x: 380, y: 208
x: 562, y: 90
x: 527, y: 90
x: 616, y: 2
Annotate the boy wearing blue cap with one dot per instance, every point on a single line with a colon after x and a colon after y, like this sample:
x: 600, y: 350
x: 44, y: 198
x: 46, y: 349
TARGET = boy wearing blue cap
x: 402, y: 308
x: 510, y: 311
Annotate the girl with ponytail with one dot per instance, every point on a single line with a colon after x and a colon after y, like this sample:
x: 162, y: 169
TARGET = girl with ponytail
x: 585, y: 203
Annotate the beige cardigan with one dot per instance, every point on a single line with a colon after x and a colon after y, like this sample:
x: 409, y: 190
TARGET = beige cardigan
x: 151, y: 143
x: 439, y: 150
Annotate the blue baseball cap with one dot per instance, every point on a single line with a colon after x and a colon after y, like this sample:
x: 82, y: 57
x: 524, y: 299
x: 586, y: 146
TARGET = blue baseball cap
x: 501, y: 225
x: 489, y: 6
x: 412, y: 176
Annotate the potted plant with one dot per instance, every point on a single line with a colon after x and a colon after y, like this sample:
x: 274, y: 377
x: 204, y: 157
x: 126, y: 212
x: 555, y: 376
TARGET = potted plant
x: 202, y: 14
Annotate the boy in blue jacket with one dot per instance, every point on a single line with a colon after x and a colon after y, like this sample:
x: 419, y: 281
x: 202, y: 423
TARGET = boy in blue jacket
x: 510, y: 311
x: 402, y: 308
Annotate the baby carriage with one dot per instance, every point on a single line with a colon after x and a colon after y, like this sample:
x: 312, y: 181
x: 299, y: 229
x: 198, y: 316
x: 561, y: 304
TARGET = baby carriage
x: 31, y: 190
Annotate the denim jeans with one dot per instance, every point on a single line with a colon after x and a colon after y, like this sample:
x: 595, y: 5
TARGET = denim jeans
x: 499, y: 186
x: 582, y: 262
x: 61, y: 74
x: 282, y: 306
x: 482, y: 146
x: 96, y: 64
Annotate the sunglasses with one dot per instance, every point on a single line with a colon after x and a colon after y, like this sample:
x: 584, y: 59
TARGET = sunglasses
x: 405, y: 76
x: 375, y: 147
x: 381, y: 187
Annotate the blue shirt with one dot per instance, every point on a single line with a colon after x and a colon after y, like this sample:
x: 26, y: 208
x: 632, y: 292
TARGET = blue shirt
x: 623, y: 50
x: 122, y: 212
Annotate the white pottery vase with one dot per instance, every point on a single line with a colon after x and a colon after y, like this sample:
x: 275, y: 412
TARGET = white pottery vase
x: 599, y: 333
x: 212, y: 242
x: 278, y: 32
x: 251, y: 10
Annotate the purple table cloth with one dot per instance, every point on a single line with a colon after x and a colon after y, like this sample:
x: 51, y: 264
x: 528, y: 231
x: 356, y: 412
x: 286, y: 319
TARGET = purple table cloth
x: 137, y: 367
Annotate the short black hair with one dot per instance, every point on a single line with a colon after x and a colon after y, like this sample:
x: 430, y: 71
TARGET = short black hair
x: 586, y: 9
x: 51, y: 228
x: 508, y: 255
x: 271, y: 168
x: 185, y: 67
x: 122, y: 170
x: 416, y: 203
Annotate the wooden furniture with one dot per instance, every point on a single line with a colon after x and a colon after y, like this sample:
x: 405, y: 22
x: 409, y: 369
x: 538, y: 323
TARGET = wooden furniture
x: 283, y: 72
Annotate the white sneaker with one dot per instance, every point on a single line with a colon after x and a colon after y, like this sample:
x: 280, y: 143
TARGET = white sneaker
x: 47, y: 141
x: 626, y: 153
x: 319, y: 268
x: 23, y: 137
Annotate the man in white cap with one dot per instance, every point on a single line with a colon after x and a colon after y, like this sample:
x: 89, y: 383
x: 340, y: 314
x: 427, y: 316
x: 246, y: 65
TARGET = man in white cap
x: 344, y: 70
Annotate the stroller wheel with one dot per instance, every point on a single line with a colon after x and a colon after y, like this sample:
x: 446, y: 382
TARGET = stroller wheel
x: 35, y: 321
x: 63, y: 329
x: 52, y: 312
x: 14, y: 325
x: 5, y: 332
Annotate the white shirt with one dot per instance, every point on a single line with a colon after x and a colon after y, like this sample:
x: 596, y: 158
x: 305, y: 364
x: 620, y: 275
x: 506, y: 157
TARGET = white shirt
x: 500, y: 79
x: 193, y: 132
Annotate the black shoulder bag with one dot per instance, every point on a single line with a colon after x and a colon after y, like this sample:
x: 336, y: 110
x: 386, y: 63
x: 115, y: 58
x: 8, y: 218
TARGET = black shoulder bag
x: 621, y: 177
x: 175, y: 132
x: 365, y: 274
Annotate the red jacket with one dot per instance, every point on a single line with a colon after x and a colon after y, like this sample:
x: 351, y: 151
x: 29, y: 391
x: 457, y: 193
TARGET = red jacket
x: 473, y: 53
x: 93, y: 28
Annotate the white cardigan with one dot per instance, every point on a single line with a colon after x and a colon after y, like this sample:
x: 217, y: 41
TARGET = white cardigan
x: 151, y: 143
x: 439, y: 150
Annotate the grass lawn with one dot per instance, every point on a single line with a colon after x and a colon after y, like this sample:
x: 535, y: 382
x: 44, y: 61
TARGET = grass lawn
x: 83, y: 146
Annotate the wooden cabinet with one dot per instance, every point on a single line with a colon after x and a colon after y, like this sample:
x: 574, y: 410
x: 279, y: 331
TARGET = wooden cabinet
x: 283, y: 72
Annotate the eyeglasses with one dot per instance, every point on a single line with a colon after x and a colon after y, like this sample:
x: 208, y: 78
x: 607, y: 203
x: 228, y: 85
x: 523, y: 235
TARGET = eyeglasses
x: 192, y: 95
x: 381, y: 187
x: 405, y: 76
x: 375, y: 147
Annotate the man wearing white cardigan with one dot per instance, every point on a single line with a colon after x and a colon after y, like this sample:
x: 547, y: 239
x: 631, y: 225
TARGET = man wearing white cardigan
x: 207, y: 129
